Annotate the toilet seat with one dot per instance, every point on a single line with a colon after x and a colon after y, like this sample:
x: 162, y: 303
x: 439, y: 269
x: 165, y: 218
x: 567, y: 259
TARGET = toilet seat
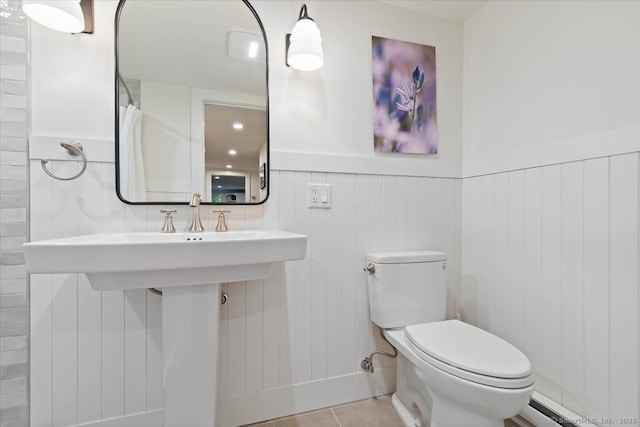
x: 470, y: 353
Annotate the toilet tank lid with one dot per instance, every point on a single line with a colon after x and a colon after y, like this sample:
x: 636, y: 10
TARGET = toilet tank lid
x: 400, y: 257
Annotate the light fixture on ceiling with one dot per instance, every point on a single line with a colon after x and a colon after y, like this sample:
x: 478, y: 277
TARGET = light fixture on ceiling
x: 252, y: 51
x: 229, y: 166
x: 304, y: 44
x: 238, y: 126
x: 69, y: 16
x: 216, y: 177
x: 246, y: 47
x: 232, y: 152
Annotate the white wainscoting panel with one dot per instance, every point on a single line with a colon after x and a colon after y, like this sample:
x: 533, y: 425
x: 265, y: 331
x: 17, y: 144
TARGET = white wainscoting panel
x: 567, y: 240
x: 596, y: 287
x: 94, y: 355
x: 572, y: 298
x: 623, y: 285
x: 290, y: 336
x: 289, y: 343
x: 532, y: 280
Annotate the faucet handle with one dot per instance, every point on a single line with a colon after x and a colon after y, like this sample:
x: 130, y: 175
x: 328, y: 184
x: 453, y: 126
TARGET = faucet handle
x: 222, y: 223
x: 168, y: 220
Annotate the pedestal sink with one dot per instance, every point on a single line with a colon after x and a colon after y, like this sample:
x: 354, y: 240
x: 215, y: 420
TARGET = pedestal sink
x: 189, y: 267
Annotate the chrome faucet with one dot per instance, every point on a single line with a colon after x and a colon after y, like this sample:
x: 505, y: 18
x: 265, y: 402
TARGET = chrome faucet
x: 196, y: 224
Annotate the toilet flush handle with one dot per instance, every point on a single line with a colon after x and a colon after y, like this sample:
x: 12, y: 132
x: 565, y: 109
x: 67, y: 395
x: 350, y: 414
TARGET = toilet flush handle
x: 370, y: 269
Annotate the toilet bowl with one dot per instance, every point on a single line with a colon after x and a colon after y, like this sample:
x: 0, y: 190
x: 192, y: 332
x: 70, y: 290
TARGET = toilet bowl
x: 450, y: 374
x: 459, y: 396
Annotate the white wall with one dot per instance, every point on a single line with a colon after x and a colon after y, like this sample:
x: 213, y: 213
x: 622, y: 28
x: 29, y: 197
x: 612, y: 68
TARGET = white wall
x: 550, y: 82
x: 95, y: 355
x: 72, y: 79
x: 551, y: 226
x: 328, y: 112
x: 166, y: 137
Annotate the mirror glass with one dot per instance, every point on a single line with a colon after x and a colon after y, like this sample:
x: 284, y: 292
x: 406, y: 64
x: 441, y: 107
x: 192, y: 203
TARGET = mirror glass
x: 192, y: 102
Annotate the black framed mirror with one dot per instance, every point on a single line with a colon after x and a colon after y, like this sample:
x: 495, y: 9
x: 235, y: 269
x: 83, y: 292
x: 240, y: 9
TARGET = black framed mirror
x: 192, y: 102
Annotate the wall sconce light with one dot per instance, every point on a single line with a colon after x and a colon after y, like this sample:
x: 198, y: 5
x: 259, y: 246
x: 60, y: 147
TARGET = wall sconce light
x: 69, y: 16
x: 304, y: 44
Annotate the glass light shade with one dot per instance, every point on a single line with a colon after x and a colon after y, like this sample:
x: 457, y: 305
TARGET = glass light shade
x: 59, y: 15
x: 305, y: 49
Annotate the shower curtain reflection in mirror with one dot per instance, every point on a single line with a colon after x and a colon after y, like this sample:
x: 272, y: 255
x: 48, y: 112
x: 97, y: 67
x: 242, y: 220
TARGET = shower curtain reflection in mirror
x: 132, y: 180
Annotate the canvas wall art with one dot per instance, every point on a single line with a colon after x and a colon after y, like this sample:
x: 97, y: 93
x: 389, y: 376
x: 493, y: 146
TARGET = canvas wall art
x: 404, y: 97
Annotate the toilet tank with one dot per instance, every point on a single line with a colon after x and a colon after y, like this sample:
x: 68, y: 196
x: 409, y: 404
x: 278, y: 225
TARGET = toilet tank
x: 407, y: 288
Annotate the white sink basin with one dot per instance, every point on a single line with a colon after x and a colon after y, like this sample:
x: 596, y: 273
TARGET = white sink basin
x: 143, y: 260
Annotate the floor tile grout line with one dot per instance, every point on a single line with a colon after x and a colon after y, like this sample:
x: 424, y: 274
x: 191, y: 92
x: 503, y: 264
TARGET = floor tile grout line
x: 336, y: 417
x: 332, y: 409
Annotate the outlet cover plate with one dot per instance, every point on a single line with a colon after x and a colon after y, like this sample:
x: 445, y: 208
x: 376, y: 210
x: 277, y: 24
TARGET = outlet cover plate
x: 319, y: 196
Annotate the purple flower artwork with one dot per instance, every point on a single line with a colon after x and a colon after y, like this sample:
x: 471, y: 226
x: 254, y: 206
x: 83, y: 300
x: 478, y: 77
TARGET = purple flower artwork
x: 404, y: 97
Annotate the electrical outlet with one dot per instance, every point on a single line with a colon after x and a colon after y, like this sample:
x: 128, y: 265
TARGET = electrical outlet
x: 319, y: 196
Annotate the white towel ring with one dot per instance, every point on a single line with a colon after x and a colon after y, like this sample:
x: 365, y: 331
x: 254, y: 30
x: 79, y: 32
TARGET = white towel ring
x: 74, y: 149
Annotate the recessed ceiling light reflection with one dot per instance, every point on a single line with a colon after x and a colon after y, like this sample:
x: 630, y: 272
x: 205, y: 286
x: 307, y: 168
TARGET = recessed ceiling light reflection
x: 219, y: 186
x: 233, y: 152
x: 216, y: 177
x: 229, y: 166
x: 238, y: 126
x: 253, y: 49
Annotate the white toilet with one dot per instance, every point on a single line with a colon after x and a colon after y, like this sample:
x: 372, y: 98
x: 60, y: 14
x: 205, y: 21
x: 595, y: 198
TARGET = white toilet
x: 450, y: 374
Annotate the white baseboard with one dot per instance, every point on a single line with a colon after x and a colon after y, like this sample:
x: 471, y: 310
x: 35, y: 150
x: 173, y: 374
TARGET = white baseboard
x: 538, y: 419
x: 279, y: 402
x: 298, y: 398
x: 153, y: 418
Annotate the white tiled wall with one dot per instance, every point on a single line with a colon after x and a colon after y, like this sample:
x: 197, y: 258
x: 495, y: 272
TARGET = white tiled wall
x: 289, y: 343
x: 14, y: 205
x: 550, y: 263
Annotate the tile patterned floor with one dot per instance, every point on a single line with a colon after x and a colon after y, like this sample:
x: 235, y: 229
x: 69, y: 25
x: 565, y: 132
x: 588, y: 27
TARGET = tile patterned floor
x: 376, y: 412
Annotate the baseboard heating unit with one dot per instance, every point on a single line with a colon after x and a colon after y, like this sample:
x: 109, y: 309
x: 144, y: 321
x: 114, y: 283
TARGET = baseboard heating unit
x: 543, y: 412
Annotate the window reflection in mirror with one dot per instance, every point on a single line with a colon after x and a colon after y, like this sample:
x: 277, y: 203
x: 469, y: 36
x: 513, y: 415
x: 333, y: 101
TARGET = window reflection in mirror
x: 187, y: 71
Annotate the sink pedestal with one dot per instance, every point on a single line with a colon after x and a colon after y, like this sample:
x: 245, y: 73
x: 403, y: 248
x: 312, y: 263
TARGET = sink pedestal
x: 190, y: 318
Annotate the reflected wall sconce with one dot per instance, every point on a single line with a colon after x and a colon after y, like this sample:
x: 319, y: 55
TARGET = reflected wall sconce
x: 304, y: 44
x: 69, y: 16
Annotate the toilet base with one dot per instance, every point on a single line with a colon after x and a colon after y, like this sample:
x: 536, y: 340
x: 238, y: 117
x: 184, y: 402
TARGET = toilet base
x: 442, y: 418
x: 405, y: 415
x: 444, y: 412
x: 411, y: 400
